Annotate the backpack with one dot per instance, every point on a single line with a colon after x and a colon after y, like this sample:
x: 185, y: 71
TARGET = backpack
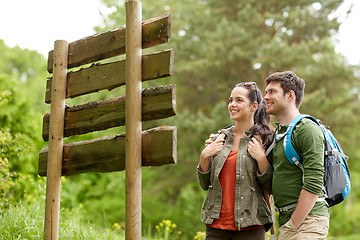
x: 336, y: 172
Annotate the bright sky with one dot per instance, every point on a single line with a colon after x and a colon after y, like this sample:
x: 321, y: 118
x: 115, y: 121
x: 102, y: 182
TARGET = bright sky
x: 349, y: 35
x: 36, y: 24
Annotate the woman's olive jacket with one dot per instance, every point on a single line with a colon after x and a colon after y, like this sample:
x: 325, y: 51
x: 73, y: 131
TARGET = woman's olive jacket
x: 250, y: 205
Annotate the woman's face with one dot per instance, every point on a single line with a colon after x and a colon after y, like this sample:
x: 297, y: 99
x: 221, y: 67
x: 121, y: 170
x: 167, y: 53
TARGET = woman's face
x: 240, y: 107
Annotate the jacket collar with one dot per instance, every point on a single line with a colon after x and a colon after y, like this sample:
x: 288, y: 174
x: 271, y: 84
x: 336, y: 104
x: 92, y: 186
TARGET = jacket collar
x: 229, y: 130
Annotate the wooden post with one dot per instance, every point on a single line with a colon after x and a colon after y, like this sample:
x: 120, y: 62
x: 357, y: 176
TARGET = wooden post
x: 53, y: 187
x: 133, y: 120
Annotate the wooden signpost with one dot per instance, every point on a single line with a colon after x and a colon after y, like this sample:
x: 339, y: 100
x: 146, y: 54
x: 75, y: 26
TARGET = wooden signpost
x: 129, y: 151
x: 53, y: 184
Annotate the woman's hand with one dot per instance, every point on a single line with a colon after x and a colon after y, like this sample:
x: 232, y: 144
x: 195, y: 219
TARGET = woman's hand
x: 257, y: 152
x: 211, y: 148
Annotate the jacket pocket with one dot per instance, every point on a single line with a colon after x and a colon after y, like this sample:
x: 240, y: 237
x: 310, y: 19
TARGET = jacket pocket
x: 207, y: 207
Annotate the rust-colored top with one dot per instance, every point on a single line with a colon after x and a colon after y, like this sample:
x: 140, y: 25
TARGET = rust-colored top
x: 227, y: 179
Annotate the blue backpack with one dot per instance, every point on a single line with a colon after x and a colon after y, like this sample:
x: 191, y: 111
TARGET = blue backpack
x: 337, y: 175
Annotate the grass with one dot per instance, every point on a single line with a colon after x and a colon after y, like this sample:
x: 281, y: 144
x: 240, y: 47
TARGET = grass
x: 26, y: 221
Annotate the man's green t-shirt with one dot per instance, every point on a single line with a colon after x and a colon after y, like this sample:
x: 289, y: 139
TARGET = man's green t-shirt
x: 308, y: 141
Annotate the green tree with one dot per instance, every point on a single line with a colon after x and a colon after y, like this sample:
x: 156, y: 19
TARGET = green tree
x: 22, y: 82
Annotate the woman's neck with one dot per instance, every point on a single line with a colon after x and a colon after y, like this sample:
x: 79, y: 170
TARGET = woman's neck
x: 241, y: 127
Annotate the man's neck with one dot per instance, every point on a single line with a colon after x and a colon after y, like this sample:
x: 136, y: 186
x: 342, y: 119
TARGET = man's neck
x: 285, y: 117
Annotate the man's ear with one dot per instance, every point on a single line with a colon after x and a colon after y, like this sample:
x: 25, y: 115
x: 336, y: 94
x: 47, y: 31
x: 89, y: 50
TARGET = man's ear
x: 291, y: 95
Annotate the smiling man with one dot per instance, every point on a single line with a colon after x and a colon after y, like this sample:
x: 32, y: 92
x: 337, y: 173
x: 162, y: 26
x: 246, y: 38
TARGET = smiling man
x: 297, y: 191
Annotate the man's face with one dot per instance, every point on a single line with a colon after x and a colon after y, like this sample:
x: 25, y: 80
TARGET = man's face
x: 275, y: 99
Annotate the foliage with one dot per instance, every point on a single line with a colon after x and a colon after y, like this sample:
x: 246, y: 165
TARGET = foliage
x: 101, y: 194
x: 5, y: 184
x: 22, y: 88
x: 5, y: 97
x: 15, y: 147
x: 12, y: 185
x: 200, y: 236
x: 348, y: 237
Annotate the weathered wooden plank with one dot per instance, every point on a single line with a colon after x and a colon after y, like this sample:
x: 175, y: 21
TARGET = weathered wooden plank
x: 112, y: 75
x: 108, y: 44
x: 107, y: 154
x: 158, y: 102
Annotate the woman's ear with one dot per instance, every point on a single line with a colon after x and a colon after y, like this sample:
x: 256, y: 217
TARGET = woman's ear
x: 254, y: 107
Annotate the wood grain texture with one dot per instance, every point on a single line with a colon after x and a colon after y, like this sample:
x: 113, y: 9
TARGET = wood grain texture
x: 108, y: 44
x: 56, y: 129
x: 112, y: 75
x: 133, y: 107
x: 157, y: 103
x: 107, y: 154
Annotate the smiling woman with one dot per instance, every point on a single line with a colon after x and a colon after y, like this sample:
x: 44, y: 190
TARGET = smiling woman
x: 240, y: 107
x: 233, y: 167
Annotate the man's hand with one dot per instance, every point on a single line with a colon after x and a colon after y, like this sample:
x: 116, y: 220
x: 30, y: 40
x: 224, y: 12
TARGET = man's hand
x: 211, y: 148
x: 305, y: 203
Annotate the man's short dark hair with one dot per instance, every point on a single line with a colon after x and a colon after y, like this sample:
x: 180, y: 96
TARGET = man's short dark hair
x: 289, y: 81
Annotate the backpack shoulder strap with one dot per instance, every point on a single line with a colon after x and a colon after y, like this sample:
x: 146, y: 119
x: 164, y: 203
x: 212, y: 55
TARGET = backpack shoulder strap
x: 277, y: 137
x: 289, y: 150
